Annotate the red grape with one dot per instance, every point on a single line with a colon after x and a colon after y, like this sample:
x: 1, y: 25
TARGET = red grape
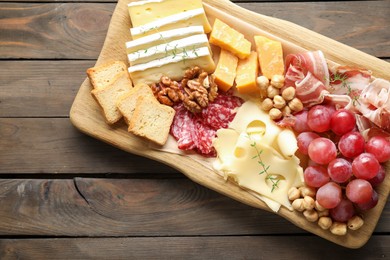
x: 371, y: 203
x: 322, y: 150
x: 318, y: 118
x: 329, y: 195
x: 343, y: 211
x: 365, y: 166
x: 379, y: 146
x: 340, y: 170
x: 378, y: 179
x: 301, y: 122
x: 304, y: 139
x: 359, y: 191
x: 342, y: 122
x: 351, y: 144
x: 316, y: 176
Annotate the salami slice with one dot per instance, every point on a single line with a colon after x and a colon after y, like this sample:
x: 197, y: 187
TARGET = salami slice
x: 205, y: 136
x: 217, y: 116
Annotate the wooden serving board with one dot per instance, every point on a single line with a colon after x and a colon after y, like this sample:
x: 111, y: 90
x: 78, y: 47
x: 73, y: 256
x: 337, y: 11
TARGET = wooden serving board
x: 85, y: 114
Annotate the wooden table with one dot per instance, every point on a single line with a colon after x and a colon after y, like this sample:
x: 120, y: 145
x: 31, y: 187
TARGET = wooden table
x: 66, y: 195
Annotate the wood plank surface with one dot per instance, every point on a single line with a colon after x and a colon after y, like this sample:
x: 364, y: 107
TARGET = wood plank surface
x: 221, y: 247
x: 132, y: 207
x: 77, y: 30
x: 53, y: 145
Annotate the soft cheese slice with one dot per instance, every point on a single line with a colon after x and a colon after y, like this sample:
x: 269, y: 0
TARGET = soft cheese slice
x: 143, y: 12
x: 180, y: 20
x: 162, y: 37
x: 184, y: 45
x: 172, y: 66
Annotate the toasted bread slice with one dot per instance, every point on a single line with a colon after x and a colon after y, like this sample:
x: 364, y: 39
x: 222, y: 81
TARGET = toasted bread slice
x: 105, y: 74
x: 151, y: 120
x: 108, y: 96
x: 127, y: 103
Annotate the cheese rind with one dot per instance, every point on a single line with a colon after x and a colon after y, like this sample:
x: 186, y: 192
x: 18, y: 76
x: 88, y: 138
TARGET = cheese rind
x: 270, y: 56
x: 143, y: 12
x: 162, y: 37
x: 180, y: 20
x: 183, y: 45
x: 247, y: 71
x: 225, y: 72
x: 229, y: 39
x: 172, y: 66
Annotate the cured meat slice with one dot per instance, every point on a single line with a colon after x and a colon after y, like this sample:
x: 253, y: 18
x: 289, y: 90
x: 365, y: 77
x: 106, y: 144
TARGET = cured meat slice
x: 309, y: 74
x: 374, y: 103
x: 196, y: 132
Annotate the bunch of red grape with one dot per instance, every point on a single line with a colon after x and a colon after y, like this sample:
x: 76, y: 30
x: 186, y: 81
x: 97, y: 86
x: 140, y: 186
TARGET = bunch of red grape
x: 343, y: 167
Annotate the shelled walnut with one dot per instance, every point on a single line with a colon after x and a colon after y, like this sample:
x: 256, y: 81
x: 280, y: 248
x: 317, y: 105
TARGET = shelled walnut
x: 195, y: 90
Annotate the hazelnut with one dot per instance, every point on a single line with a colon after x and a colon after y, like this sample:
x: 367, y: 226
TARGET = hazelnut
x: 277, y: 81
x: 323, y: 213
x: 355, y: 223
x: 267, y: 104
x: 262, y: 82
x: 288, y: 93
x: 308, y: 203
x: 279, y: 102
x: 295, y: 105
x: 338, y: 228
x: 272, y: 91
x: 307, y: 191
x: 318, y: 206
x: 325, y: 222
x: 275, y: 114
x: 311, y: 215
x: 293, y: 193
x: 298, y: 205
x: 286, y: 111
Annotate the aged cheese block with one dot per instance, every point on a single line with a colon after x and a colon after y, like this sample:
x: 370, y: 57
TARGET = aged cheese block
x: 172, y: 66
x: 170, y: 48
x: 270, y: 56
x: 247, y: 71
x: 162, y: 37
x: 225, y: 73
x: 229, y: 39
x: 180, y: 20
x: 143, y: 12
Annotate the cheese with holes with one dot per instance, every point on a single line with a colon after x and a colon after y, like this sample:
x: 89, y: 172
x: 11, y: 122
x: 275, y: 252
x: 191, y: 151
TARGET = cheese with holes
x: 250, y: 139
x: 229, y: 39
x: 183, y: 45
x: 143, y: 12
x: 172, y: 66
x: 247, y: 72
x: 225, y: 73
x: 180, y: 20
x: 162, y: 37
x: 270, y: 56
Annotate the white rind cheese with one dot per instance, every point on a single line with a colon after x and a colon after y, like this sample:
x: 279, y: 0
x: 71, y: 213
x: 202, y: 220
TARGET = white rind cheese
x: 162, y: 37
x: 142, y: 12
x: 172, y: 66
x: 184, y: 45
x: 179, y: 20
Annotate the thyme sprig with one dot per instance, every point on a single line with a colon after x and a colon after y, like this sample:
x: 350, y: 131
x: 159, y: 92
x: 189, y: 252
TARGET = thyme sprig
x: 264, y: 168
x: 336, y: 77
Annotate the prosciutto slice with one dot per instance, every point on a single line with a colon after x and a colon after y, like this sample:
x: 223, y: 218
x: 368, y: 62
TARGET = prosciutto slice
x: 308, y: 72
x: 374, y: 103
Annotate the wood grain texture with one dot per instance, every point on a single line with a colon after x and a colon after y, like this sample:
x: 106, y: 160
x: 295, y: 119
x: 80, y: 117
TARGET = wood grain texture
x: 53, y: 145
x: 77, y: 30
x: 132, y: 207
x: 86, y: 116
x: 239, y: 247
